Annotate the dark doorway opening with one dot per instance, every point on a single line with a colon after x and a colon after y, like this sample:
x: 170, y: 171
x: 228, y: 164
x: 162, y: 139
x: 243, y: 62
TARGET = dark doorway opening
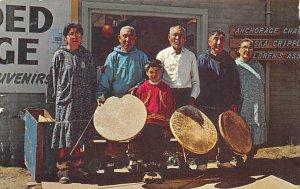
x: 152, y: 33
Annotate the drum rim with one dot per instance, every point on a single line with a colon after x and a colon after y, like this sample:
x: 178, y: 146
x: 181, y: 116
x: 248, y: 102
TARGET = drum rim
x: 224, y: 135
x: 215, y: 134
x: 125, y: 139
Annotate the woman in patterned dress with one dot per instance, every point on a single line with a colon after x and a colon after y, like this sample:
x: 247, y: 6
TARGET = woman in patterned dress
x: 252, y: 82
x: 71, y: 86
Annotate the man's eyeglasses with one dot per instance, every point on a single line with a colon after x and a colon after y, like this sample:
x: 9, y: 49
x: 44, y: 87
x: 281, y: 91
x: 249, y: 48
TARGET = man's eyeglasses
x: 247, y: 48
x: 74, y: 34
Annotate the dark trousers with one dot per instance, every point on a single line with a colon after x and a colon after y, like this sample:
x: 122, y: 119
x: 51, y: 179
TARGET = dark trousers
x: 181, y: 96
x: 224, y: 153
x: 149, y: 145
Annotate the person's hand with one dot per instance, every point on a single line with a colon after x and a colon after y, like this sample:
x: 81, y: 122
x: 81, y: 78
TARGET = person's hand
x: 132, y: 91
x: 234, y: 108
x: 100, y: 100
x: 192, y: 101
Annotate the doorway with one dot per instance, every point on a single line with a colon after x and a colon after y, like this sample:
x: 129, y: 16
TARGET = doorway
x: 152, y: 24
x: 152, y: 33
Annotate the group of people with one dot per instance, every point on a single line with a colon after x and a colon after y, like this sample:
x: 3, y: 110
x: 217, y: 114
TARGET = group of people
x: 213, y: 83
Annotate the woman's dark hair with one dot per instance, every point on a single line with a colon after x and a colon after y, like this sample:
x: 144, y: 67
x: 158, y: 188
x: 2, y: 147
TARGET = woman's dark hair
x: 68, y: 27
x: 153, y: 63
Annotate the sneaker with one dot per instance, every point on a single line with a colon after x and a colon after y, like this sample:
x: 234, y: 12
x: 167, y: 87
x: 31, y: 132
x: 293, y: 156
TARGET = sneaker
x: 201, y: 167
x: 226, y: 165
x: 152, y: 177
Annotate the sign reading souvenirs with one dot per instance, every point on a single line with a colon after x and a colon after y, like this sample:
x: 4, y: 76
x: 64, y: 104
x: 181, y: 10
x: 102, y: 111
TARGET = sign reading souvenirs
x: 273, y: 43
x: 30, y: 32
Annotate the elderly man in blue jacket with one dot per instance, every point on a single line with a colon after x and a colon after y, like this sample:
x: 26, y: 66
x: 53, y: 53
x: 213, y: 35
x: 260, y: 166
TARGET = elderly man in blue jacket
x: 124, y: 69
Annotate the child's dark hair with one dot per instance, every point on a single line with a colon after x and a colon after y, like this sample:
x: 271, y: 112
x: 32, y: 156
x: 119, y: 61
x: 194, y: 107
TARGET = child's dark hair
x: 153, y: 63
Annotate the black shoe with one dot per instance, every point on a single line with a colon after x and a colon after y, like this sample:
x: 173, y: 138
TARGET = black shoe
x: 184, y: 167
x: 109, y: 168
x: 79, y: 174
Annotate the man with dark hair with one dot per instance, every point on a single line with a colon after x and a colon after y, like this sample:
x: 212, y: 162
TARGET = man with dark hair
x: 220, y: 91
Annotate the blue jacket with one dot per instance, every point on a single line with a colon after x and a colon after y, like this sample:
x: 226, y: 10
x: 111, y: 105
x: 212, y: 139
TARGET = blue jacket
x: 122, y: 72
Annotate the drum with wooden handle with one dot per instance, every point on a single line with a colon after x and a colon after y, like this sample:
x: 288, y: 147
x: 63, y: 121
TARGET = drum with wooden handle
x: 193, y: 129
x: 120, y: 119
x: 236, y: 132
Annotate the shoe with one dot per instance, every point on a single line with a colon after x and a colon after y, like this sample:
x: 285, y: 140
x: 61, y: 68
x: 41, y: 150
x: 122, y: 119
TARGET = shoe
x: 162, y: 166
x: 77, y: 172
x: 184, y: 166
x: 64, y: 176
x: 152, y: 177
x: 64, y: 180
x: 201, y: 167
x: 63, y: 172
x: 226, y: 165
x: 133, y: 166
x: 109, y: 168
x: 239, y: 161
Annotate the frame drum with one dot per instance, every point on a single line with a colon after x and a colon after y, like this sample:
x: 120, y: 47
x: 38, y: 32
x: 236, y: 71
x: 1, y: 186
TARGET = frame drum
x: 120, y: 119
x: 193, y: 129
x: 236, y: 132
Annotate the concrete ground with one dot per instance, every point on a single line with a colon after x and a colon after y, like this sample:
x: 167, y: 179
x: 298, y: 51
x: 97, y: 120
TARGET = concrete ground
x: 260, y: 175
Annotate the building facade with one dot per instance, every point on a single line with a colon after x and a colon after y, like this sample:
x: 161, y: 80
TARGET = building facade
x: 102, y: 19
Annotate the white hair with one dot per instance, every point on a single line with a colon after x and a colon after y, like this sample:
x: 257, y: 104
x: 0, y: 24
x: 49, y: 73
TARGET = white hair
x: 127, y: 28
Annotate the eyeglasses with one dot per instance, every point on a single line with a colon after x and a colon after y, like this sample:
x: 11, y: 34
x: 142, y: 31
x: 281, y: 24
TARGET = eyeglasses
x: 247, y: 48
x: 78, y: 34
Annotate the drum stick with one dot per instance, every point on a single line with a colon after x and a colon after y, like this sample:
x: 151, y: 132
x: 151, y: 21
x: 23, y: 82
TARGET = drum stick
x: 190, y: 182
x: 81, y: 135
x: 184, y: 155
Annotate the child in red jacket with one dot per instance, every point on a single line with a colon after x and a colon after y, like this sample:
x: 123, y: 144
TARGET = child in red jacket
x: 149, y: 146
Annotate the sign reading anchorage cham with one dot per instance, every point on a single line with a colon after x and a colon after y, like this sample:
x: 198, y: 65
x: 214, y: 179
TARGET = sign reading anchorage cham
x: 30, y: 33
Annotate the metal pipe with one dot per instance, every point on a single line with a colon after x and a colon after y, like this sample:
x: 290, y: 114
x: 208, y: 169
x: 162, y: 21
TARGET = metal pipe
x: 267, y: 75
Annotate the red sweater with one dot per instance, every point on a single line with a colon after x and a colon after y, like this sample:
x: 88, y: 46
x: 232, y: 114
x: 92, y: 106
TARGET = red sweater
x: 159, y: 102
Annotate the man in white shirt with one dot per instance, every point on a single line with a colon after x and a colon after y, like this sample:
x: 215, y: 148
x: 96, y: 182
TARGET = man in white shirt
x: 181, y: 71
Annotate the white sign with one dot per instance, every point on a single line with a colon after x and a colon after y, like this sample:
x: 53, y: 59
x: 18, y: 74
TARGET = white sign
x: 30, y: 32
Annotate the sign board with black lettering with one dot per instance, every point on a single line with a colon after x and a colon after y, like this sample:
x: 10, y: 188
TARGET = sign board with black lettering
x: 269, y: 43
x: 265, y: 30
x: 272, y: 43
x: 30, y: 33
